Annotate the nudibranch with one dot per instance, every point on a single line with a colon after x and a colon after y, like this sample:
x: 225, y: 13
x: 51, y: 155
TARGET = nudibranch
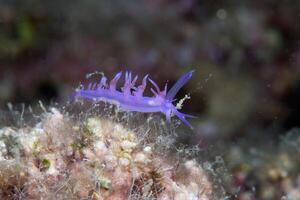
x: 130, y: 97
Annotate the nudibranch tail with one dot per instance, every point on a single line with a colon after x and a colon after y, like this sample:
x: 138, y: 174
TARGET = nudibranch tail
x: 131, y: 98
x: 182, y: 117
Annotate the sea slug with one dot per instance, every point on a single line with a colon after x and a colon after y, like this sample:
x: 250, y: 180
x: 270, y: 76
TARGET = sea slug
x: 130, y: 97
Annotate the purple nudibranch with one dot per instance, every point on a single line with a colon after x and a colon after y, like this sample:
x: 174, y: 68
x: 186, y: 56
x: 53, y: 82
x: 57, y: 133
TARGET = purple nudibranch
x: 130, y: 97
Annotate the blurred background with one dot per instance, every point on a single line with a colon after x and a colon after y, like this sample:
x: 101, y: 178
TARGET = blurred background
x: 245, y: 89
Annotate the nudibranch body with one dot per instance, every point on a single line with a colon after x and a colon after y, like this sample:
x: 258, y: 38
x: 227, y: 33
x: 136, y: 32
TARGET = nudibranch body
x: 130, y: 97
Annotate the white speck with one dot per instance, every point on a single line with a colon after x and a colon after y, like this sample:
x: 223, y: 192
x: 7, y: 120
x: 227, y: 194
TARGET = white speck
x: 151, y: 102
x: 141, y: 158
x: 100, y: 148
x: 3, y: 150
x: 124, y: 161
x: 10, y: 106
x: 147, y: 149
x: 56, y: 113
x: 221, y: 14
x: 189, y: 164
x: 127, y: 145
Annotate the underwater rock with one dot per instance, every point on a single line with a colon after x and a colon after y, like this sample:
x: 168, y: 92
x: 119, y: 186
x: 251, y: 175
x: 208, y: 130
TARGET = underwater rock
x: 96, y: 158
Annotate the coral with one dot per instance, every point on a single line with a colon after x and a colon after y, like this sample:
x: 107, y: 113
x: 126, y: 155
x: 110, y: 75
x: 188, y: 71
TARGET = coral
x: 62, y: 157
